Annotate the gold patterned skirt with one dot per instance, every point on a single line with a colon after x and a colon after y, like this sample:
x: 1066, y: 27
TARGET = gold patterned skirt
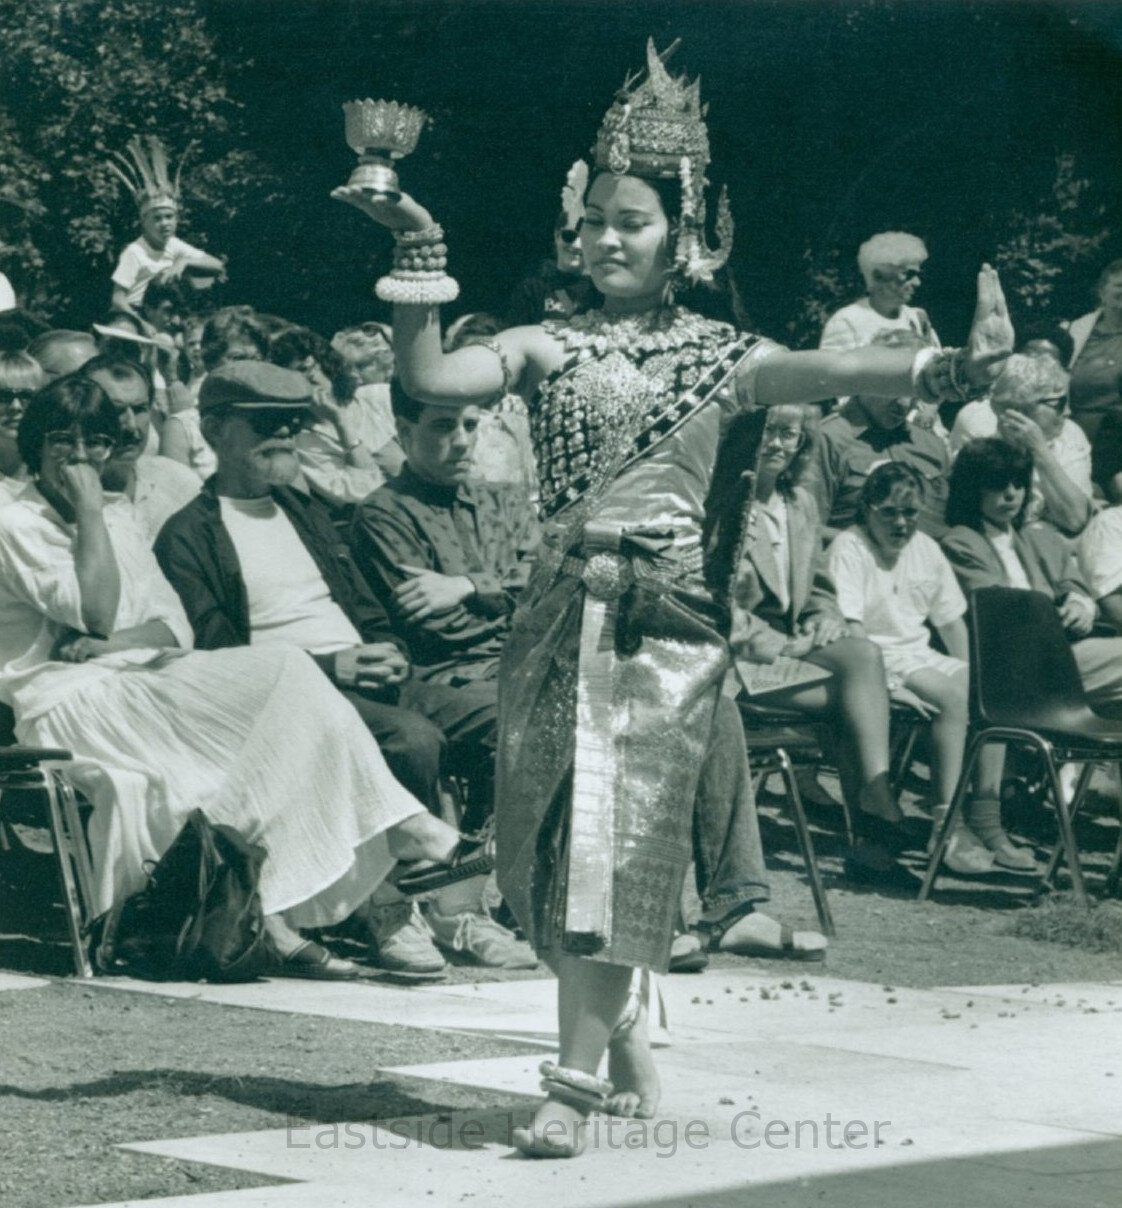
x: 602, y: 730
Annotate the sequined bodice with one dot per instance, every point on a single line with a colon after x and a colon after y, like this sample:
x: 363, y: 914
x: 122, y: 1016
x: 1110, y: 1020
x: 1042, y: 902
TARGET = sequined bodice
x: 622, y: 387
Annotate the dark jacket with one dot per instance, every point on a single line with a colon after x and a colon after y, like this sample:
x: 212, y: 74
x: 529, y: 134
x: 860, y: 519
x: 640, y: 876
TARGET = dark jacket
x: 1050, y: 561
x: 199, y: 560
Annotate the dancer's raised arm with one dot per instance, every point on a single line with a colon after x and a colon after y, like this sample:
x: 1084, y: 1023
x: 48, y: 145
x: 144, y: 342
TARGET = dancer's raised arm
x: 807, y: 377
x: 476, y: 373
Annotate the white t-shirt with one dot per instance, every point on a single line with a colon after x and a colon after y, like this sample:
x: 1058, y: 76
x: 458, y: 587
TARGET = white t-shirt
x: 1100, y: 552
x: 855, y: 325
x: 1003, y: 544
x: 893, y: 603
x: 289, y: 601
x: 140, y: 262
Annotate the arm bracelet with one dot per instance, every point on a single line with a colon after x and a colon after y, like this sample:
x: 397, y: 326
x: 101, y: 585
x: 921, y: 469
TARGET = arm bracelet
x: 418, y: 277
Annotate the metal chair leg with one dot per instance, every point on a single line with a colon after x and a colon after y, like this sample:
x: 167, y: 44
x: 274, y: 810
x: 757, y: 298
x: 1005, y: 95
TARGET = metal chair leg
x: 68, y: 860
x: 1076, y: 805
x: 1067, y: 831
x: 73, y: 820
x: 943, y: 835
x: 798, y: 817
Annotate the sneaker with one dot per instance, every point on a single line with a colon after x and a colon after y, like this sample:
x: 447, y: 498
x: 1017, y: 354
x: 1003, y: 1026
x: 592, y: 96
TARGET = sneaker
x: 477, y: 936
x: 401, y: 943
x: 967, y: 855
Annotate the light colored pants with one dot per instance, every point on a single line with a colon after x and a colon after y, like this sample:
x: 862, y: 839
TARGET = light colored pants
x: 1100, y: 666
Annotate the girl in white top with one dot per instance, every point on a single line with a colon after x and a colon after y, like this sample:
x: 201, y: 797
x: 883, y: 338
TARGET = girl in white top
x: 891, y: 580
x: 94, y: 658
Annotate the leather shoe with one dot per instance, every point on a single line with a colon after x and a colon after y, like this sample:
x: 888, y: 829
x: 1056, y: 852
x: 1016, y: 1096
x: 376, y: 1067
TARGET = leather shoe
x: 314, y: 962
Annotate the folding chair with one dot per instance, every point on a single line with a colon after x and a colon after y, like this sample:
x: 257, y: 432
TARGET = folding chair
x: 1025, y: 690
x: 778, y: 740
x: 31, y: 768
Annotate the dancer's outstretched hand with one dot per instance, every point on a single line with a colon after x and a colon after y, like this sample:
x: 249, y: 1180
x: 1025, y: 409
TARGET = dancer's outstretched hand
x: 405, y: 214
x: 991, y: 336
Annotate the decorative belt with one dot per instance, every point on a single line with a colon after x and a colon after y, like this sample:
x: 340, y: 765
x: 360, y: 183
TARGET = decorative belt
x: 607, y: 575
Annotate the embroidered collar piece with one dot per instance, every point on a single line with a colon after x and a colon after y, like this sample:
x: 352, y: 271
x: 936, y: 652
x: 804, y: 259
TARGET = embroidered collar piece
x: 596, y: 333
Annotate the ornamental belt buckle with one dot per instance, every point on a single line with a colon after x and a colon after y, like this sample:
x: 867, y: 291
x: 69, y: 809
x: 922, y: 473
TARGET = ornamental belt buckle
x: 607, y: 576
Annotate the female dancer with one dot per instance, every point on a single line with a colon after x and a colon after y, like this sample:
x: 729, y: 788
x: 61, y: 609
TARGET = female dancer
x: 611, y: 676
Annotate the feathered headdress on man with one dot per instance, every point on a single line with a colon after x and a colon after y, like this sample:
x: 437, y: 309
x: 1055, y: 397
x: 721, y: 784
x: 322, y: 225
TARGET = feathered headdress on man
x: 144, y: 171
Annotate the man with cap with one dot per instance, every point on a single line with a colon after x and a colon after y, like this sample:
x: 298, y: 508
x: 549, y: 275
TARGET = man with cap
x: 255, y: 560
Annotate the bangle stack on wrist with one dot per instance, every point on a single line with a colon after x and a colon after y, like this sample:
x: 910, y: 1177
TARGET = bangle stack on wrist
x: 941, y: 377
x: 418, y: 277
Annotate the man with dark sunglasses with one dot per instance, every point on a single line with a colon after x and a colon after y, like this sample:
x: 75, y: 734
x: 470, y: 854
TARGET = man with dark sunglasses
x: 255, y: 560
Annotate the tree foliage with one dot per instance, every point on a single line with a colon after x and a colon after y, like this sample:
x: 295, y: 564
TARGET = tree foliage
x: 81, y: 76
x: 1044, y: 250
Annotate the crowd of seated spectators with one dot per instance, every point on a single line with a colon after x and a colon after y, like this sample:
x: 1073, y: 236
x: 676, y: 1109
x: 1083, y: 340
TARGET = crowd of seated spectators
x: 257, y: 523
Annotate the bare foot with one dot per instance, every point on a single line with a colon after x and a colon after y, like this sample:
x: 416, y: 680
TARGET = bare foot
x: 632, y: 1073
x: 557, y: 1131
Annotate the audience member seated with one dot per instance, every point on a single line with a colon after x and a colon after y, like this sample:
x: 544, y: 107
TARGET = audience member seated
x: 892, y: 581
x: 156, y: 486
x: 866, y: 432
x: 94, y: 657
x: 1106, y: 453
x: 443, y: 551
x: 20, y: 376
x: 61, y: 352
x: 337, y: 451
x: 891, y: 264
x: 560, y: 286
x: 1100, y: 554
x: 503, y: 453
x: 367, y: 351
x: 990, y: 544
x: 1097, y: 353
x: 230, y: 335
x: 258, y: 563
x: 784, y: 605
x: 1026, y: 408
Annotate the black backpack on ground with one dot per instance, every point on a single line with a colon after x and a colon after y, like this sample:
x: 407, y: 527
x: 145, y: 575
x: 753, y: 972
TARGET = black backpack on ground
x: 198, y: 918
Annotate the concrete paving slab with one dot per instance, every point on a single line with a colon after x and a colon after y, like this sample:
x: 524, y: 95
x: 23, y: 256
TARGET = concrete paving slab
x: 982, y: 1094
x: 15, y: 981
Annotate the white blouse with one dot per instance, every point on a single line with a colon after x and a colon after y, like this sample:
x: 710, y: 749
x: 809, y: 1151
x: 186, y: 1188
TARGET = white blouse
x: 40, y: 600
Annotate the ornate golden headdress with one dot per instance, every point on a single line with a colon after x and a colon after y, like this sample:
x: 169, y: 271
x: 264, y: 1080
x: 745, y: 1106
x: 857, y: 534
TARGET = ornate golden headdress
x: 656, y: 129
x: 144, y: 172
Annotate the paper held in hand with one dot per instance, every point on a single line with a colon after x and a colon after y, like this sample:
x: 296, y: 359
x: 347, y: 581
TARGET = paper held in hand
x: 760, y: 678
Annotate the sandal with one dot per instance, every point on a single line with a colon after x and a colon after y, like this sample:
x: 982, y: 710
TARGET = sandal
x: 759, y: 935
x: 470, y: 858
x: 687, y: 954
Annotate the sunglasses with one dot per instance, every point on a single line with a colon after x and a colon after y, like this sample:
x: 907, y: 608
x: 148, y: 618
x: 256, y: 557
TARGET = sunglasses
x: 9, y: 398
x: 265, y: 422
x: 887, y: 512
x: 568, y: 235
x: 66, y: 443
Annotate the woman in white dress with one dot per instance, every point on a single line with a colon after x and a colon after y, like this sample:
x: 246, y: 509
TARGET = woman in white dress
x: 94, y: 658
